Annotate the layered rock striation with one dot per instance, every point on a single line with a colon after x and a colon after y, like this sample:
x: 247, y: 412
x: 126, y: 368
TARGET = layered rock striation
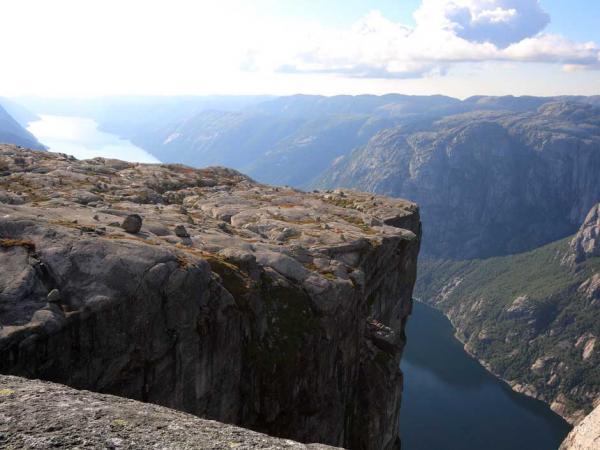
x: 278, y: 310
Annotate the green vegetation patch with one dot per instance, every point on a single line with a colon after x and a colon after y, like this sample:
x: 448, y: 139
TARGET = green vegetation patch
x: 510, y: 336
x: 291, y: 323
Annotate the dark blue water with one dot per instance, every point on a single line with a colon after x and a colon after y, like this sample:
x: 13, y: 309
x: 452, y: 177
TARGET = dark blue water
x: 451, y: 402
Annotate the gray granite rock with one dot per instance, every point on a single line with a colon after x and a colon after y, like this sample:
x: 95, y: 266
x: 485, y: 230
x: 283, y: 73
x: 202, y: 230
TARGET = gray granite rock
x: 41, y: 415
x: 245, y: 322
x: 132, y: 223
x: 181, y: 231
x: 586, y: 243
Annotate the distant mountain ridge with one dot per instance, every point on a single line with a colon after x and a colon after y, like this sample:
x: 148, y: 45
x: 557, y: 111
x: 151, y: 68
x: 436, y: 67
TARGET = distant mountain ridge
x: 513, y: 173
x: 501, y: 181
x: 284, y: 140
x: 11, y: 132
x: 22, y: 115
x: 489, y: 182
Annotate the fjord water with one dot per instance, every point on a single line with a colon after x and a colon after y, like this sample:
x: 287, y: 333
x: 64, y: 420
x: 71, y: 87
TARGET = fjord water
x: 80, y: 137
x: 451, y: 402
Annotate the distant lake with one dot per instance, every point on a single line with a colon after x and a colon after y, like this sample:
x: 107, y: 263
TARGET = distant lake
x: 451, y: 402
x: 80, y: 137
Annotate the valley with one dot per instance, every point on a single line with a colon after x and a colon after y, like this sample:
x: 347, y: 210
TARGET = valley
x: 532, y: 318
x: 451, y: 401
x: 359, y: 225
x: 366, y: 143
x: 80, y: 137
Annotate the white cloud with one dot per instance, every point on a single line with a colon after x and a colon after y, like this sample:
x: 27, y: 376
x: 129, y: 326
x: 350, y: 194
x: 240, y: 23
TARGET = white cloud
x: 98, y: 47
x: 447, y: 32
x: 500, y: 22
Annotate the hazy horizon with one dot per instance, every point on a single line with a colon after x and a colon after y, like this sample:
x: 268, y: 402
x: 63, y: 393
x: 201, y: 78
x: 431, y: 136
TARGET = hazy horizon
x: 16, y: 98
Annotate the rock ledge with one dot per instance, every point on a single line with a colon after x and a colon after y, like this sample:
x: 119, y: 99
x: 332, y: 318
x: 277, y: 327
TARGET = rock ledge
x: 40, y: 415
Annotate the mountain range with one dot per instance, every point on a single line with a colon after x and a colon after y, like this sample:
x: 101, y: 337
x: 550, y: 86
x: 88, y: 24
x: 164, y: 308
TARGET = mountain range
x: 503, y: 183
x: 12, y: 131
x: 285, y: 140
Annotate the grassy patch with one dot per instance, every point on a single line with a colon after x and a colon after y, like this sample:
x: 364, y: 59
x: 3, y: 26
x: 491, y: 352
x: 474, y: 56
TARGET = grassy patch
x: 341, y: 202
x: 8, y: 243
x: 119, y: 423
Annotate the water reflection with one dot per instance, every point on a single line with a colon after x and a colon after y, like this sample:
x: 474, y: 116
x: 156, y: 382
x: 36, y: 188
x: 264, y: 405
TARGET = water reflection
x: 451, y: 402
x: 80, y: 137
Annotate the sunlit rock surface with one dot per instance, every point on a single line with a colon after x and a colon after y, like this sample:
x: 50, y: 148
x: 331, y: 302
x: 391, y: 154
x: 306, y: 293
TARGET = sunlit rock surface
x: 282, y: 311
x: 586, y: 435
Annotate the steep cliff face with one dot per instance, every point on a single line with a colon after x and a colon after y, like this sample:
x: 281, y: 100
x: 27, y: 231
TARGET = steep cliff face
x: 586, y: 435
x: 586, y: 243
x: 89, y: 420
x: 488, y: 183
x: 267, y: 307
x: 532, y: 318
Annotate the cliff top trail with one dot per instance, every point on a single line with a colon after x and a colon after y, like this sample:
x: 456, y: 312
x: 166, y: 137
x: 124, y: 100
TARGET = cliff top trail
x: 201, y: 290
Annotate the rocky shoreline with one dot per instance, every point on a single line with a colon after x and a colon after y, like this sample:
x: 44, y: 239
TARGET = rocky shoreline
x: 527, y: 390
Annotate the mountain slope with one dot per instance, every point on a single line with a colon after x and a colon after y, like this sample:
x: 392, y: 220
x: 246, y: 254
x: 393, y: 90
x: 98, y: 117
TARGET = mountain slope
x: 532, y: 318
x: 18, y: 112
x: 586, y: 435
x: 13, y: 133
x: 286, y: 140
x: 284, y: 149
x: 489, y: 183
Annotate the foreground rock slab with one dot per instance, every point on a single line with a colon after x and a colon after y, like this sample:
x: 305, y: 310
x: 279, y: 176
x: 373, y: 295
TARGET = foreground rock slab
x: 41, y: 415
x: 278, y: 310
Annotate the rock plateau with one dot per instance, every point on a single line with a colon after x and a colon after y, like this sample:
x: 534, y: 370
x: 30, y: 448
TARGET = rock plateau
x: 277, y: 310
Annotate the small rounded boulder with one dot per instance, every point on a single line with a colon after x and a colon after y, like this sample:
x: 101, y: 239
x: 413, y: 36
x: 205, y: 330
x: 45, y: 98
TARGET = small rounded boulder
x: 132, y: 223
x: 181, y: 231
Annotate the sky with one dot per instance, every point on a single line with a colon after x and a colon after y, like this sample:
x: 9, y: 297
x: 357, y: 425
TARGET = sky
x: 460, y: 48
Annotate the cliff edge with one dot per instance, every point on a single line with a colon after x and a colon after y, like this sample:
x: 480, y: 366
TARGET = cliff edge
x: 203, y: 291
x: 40, y: 415
x: 586, y: 435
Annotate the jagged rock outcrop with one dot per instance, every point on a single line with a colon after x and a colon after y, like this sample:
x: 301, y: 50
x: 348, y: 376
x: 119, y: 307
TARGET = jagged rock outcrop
x: 488, y: 183
x: 41, y: 415
x: 282, y: 311
x: 586, y: 435
x: 586, y: 243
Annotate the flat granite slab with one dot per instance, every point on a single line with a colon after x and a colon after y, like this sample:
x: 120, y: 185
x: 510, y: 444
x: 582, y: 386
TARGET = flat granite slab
x: 41, y: 415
